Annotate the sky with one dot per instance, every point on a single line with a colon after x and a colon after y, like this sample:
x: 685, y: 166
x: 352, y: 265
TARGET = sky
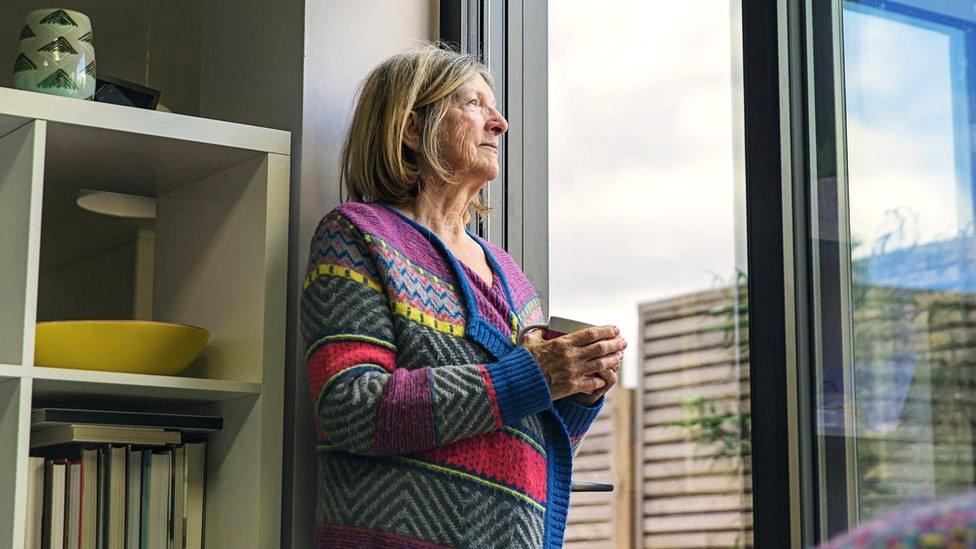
x: 640, y: 157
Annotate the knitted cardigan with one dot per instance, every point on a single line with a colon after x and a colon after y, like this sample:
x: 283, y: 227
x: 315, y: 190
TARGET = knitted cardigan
x: 433, y: 427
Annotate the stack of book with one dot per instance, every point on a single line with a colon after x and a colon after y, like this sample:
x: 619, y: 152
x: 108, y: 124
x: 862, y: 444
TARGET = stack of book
x: 116, y: 480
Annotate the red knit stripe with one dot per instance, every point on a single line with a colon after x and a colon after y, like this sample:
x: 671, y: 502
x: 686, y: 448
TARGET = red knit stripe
x: 496, y: 412
x: 329, y: 536
x: 498, y: 457
x: 333, y: 358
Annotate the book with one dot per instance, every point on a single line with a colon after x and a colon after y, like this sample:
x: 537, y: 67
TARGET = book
x: 35, y: 502
x: 179, y: 497
x: 114, y: 512
x: 145, y: 496
x: 102, y: 497
x: 72, y: 433
x: 90, y: 475
x: 134, y: 498
x: 159, y: 500
x: 196, y: 461
x: 53, y: 527
x: 48, y: 418
x: 72, y: 504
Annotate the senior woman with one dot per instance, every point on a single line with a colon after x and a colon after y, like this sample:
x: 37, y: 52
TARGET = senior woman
x: 437, y: 425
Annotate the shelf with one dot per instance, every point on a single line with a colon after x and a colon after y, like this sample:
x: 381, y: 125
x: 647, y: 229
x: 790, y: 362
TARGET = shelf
x: 18, y: 107
x: 60, y: 382
x: 130, y: 150
x: 10, y: 371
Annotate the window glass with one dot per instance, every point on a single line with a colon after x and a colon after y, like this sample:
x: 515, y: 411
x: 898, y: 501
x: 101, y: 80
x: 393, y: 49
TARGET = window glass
x: 645, y: 232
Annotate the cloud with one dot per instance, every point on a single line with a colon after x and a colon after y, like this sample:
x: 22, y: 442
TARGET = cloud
x: 641, y: 156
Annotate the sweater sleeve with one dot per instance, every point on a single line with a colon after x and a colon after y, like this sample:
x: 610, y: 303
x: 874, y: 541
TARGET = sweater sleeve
x: 365, y: 403
x: 577, y: 418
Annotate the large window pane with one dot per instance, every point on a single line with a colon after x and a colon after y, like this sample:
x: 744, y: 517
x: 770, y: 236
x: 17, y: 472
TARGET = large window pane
x: 896, y: 326
x: 645, y: 133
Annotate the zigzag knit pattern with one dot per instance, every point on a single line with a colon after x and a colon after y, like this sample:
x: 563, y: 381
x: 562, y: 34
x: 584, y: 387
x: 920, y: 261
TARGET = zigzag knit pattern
x: 434, y: 428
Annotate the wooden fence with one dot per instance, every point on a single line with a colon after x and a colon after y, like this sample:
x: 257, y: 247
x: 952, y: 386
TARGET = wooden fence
x: 602, y: 520
x: 692, y: 417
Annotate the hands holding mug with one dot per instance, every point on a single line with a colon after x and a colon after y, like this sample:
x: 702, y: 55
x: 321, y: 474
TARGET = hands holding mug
x: 582, y: 365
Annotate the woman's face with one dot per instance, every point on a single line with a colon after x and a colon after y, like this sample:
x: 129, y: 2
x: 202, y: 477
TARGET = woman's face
x: 474, y: 126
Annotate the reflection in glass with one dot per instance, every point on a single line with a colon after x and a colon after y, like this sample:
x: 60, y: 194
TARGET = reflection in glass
x: 896, y: 409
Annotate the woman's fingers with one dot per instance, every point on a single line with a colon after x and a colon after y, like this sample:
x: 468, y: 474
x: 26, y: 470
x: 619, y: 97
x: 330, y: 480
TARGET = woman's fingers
x: 600, y: 364
x: 590, y: 384
x: 603, y: 348
x: 583, y: 338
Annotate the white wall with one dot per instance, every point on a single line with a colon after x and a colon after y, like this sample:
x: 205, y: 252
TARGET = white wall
x: 343, y: 41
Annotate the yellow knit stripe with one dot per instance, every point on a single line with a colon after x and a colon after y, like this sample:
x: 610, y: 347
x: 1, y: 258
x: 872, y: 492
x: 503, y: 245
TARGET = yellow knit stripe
x: 466, y: 476
x: 420, y: 317
x: 514, y: 322
x: 328, y: 269
x: 526, y: 438
x: 349, y: 337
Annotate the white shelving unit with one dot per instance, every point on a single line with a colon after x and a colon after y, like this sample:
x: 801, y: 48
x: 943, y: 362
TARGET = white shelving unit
x: 220, y: 263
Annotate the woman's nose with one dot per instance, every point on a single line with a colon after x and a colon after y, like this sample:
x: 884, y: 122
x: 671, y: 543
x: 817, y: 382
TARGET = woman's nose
x: 497, y: 123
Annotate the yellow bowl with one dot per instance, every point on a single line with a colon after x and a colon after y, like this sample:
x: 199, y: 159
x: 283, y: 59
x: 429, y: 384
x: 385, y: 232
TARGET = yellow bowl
x: 133, y: 346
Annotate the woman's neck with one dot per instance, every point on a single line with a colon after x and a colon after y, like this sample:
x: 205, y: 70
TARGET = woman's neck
x: 441, y: 211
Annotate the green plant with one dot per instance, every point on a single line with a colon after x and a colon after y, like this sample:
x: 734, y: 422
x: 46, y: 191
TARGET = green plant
x: 727, y: 433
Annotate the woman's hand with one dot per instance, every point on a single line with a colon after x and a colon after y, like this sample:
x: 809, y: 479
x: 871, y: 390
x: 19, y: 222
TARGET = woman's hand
x: 581, y: 362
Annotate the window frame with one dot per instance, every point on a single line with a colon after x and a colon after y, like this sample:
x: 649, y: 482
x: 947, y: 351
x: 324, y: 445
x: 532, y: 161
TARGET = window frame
x: 511, y: 38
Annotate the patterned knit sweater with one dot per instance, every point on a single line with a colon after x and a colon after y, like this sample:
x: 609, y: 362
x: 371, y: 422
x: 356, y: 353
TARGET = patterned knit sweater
x: 434, y: 428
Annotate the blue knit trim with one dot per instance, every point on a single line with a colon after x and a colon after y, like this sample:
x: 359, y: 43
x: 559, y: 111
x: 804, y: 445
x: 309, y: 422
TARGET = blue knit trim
x: 577, y: 417
x: 560, y: 474
x: 520, y: 388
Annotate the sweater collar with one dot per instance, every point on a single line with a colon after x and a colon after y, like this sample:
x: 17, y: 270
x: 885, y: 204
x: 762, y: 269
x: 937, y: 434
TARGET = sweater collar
x: 478, y: 328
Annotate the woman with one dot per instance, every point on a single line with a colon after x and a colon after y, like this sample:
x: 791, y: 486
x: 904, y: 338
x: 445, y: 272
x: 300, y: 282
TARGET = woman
x: 436, y: 425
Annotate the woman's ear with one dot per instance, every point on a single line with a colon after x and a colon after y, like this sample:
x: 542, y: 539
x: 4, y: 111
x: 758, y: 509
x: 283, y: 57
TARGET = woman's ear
x: 411, y: 132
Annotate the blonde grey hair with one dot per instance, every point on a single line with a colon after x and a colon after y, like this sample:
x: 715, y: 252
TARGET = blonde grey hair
x: 375, y: 163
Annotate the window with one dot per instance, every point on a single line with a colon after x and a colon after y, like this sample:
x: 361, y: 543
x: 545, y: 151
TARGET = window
x: 894, y: 274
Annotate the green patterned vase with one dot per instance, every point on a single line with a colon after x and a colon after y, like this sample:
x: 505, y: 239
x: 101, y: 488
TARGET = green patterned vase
x: 56, y: 54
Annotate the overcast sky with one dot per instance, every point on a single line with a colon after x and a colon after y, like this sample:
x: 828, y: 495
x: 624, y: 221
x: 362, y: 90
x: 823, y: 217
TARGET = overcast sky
x: 641, y: 156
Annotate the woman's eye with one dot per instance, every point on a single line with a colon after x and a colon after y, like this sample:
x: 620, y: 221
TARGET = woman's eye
x: 473, y: 102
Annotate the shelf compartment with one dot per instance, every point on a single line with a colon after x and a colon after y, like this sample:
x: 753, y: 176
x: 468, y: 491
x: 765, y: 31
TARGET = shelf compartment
x: 14, y: 433
x: 21, y: 173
